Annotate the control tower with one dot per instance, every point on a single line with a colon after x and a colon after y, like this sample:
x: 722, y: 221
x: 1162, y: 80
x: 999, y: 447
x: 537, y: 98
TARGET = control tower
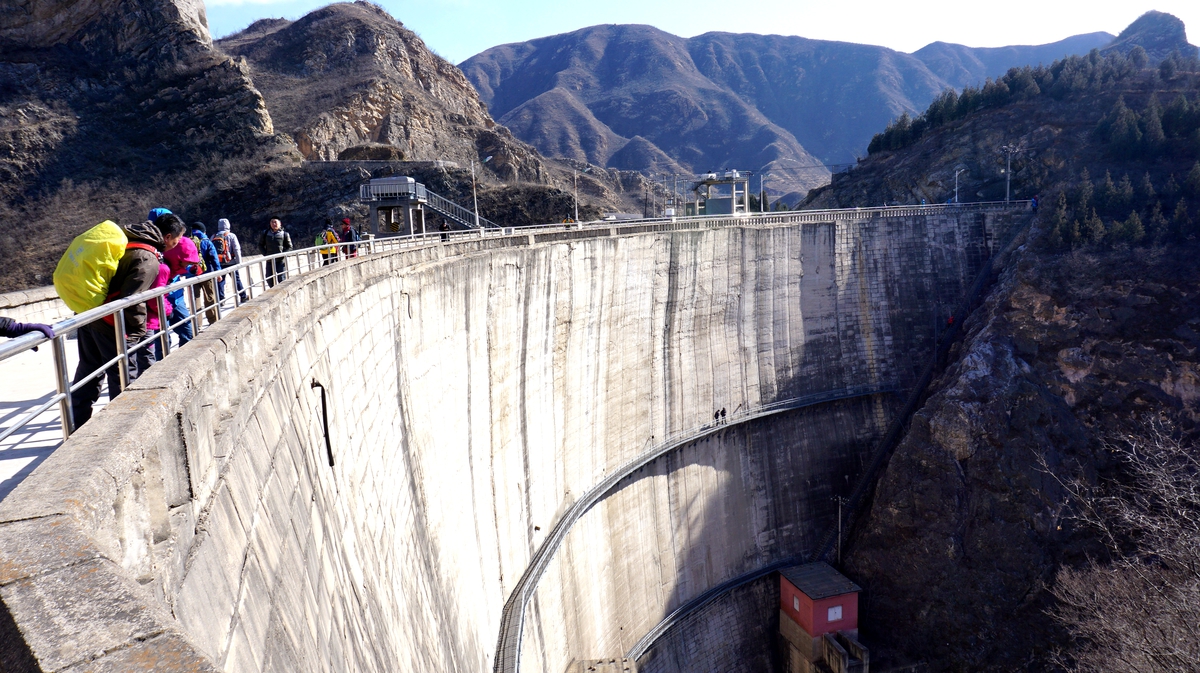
x: 715, y: 194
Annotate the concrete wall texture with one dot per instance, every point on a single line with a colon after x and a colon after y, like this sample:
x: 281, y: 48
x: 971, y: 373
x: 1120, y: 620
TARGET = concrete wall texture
x: 474, y: 390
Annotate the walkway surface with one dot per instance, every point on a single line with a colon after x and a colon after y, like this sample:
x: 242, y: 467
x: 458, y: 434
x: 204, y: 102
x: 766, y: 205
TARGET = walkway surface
x: 23, y: 377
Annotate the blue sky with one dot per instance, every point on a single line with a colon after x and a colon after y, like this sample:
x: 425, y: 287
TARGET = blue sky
x: 459, y: 29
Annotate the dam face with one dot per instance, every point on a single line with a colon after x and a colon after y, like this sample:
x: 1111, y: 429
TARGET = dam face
x: 472, y: 392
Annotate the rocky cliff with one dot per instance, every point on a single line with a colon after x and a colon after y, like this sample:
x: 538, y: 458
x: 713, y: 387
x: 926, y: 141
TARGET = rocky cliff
x: 100, y: 103
x: 349, y: 75
x: 1090, y: 329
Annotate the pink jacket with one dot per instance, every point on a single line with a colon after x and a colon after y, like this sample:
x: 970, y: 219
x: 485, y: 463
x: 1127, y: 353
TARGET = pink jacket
x: 182, y: 257
x: 164, y: 275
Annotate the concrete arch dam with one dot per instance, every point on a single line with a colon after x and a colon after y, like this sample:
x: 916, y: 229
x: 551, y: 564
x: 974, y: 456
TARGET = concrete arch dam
x: 473, y: 391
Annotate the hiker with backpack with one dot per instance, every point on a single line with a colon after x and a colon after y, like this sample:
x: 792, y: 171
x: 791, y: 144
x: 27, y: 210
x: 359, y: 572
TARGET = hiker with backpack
x: 275, y: 240
x: 213, y: 289
x: 329, y: 239
x: 349, y: 235
x: 229, y: 253
x: 183, y: 260
x: 135, y: 272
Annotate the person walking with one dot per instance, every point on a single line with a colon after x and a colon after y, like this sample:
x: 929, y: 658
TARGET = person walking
x: 275, y: 240
x: 329, y: 239
x: 136, y: 272
x: 212, y: 289
x: 226, y: 240
x: 445, y: 227
x: 349, y: 235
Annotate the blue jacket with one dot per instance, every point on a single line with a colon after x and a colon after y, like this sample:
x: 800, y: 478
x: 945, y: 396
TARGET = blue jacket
x: 208, y: 252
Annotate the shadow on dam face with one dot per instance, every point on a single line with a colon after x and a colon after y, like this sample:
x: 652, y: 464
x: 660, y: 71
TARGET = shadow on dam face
x: 475, y: 390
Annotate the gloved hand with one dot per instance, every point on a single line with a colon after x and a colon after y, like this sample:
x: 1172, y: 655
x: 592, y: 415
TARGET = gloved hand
x: 16, y: 329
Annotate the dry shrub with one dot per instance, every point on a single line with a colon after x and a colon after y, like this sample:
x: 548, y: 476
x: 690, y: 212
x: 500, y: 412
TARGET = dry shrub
x: 1139, y: 608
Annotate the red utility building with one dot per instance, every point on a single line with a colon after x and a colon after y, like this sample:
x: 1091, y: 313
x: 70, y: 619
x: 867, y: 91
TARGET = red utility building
x: 818, y: 618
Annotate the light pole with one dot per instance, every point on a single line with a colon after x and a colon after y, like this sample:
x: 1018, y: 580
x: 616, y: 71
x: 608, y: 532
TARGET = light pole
x: 474, y: 194
x: 956, y: 172
x: 1009, y: 151
x: 576, y: 170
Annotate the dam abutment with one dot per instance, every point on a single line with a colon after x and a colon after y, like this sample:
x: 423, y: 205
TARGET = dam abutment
x: 474, y: 391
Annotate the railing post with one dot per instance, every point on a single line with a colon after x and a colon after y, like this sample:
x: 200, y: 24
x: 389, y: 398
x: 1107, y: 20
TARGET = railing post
x: 62, y: 379
x: 216, y: 287
x: 164, y: 326
x: 122, y: 350
x: 195, y: 311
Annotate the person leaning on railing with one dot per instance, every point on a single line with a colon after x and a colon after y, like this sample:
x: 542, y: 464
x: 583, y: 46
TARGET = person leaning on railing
x: 136, y: 272
x: 12, y: 329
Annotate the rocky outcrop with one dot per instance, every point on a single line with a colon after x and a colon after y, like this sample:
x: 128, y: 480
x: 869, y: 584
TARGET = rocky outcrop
x: 970, y: 524
x: 349, y: 74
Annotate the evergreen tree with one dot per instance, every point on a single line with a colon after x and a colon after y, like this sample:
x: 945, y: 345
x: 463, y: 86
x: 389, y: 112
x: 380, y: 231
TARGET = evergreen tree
x: 1094, y: 230
x: 1131, y: 230
x: 1083, y: 199
x: 1107, y: 196
x: 1146, y: 191
x: 1138, y: 58
x: 1151, y: 128
x: 1191, y: 185
x: 1156, y: 226
x: 1181, y: 224
x: 1169, y: 67
x: 1060, y: 233
x: 1176, y: 116
x: 1124, y: 196
x: 1171, y: 189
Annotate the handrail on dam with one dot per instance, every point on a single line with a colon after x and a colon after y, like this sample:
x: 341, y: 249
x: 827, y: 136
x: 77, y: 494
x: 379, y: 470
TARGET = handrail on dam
x: 307, y: 260
x: 512, y: 618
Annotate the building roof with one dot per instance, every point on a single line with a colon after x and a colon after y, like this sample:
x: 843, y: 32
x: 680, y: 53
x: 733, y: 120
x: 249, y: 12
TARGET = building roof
x: 819, y: 580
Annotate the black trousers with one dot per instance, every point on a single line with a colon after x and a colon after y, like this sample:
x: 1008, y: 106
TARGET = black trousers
x: 276, y: 271
x: 97, y: 345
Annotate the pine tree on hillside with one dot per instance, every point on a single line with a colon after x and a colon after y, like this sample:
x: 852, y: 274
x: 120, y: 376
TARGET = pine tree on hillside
x: 1151, y: 128
x: 1181, y: 224
x: 1094, y: 230
x: 1083, y: 198
x: 1107, y: 193
x: 1191, y: 186
x: 1146, y: 193
x: 1156, y: 225
x: 1124, y: 194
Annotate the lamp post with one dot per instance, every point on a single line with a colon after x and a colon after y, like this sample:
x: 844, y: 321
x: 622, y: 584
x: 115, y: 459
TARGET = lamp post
x: 474, y: 194
x: 576, y: 171
x: 1009, y: 151
x: 956, y: 172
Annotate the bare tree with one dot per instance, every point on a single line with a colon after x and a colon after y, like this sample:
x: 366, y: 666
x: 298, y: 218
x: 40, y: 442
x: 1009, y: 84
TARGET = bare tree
x: 1138, y: 609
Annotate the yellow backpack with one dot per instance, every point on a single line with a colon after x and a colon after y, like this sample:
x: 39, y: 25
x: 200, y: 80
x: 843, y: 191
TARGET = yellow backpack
x: 83, y: 273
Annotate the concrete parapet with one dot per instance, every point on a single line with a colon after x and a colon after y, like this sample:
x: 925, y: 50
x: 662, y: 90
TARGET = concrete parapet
x: 475, y: 389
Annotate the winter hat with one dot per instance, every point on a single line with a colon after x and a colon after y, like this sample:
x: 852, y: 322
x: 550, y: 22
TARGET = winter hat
x: 346, y: 220
x: 199, y: 226
x: 222, y: 224
x: 157, y: 213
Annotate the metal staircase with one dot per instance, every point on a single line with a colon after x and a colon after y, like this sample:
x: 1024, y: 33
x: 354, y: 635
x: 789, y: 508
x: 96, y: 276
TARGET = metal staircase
x: 451, y: 210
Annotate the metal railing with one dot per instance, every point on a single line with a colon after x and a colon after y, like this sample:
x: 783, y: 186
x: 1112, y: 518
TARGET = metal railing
x: 309, y: 259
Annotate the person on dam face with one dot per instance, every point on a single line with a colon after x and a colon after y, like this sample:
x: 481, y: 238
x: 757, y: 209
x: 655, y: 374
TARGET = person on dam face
x: 274, y: 241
